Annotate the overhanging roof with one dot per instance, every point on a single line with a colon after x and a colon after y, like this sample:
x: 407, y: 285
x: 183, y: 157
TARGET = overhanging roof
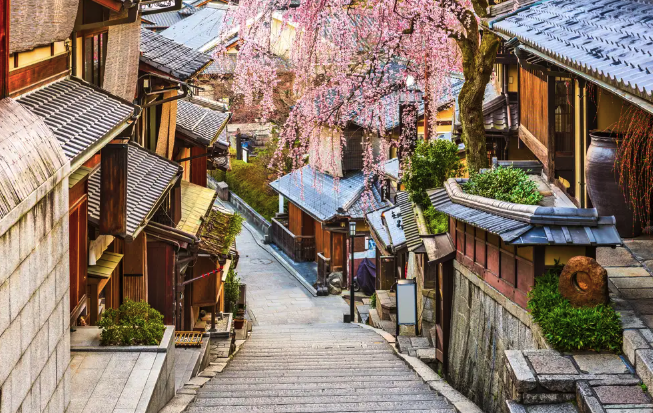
x: 196, y: 203
x: 529, y: 225
x: 82, y: 116
x: 317, y: 194
x: 606, y: 39
x: 202, y: 124
x: 174, y: 59
x: 149, y: 178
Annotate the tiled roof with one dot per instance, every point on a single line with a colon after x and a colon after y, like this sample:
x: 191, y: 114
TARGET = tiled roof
x: 149, y: 178
x: 166, y: 19
x: 199, y: 31
x: 200, y: 123
x: 390, y: 104
x: 213, y: 235
x: 541, y: 226
x: 226, y: 64
x: 392, y: 168
x: 607, y: 39
x: 375, y: 221
x: 29, y: 154
x: 196, y: 203
x: 410, y: 229
x: 316, y: 194
x: 170, y: 57
x: 78, y: 113
x: 495, y: 114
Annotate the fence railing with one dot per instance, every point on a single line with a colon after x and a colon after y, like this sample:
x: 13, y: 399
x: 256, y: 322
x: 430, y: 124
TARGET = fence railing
x: 299, y: 248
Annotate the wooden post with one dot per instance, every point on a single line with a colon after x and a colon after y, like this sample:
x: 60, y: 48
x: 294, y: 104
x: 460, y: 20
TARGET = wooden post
x: 93, y: 303
x: 4, y: 48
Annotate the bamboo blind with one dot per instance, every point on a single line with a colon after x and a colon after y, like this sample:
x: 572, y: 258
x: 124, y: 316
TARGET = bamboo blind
x: 36, y: 23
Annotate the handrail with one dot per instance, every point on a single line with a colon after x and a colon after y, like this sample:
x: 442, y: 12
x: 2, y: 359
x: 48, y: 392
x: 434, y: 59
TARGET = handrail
x: 289, y: 232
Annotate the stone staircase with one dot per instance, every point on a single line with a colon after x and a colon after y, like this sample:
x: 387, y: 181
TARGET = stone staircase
x: 317, y: 368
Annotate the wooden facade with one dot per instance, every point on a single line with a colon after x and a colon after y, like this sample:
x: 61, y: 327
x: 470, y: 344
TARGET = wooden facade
x: 161, y: 264
x: 78, y: 238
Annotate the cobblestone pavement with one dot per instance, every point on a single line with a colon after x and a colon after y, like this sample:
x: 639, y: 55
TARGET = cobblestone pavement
x: 273, y: 295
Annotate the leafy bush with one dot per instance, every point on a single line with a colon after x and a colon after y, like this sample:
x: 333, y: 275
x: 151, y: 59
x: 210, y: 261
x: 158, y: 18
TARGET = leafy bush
x: 232, y: 290
x: 133, y: 323
x: 250, y: 182
x: 436, y: 221
x: 373, y: 300
x: 505, y: 184
x: 570, y: 329
x: 432, y: 163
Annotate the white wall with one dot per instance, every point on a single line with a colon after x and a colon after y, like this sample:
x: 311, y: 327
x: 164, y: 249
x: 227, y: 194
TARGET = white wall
x: 34, y: 308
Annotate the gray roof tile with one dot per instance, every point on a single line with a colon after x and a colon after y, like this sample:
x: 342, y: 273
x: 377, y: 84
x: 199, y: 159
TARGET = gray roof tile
x: 79, y: 114
x: 198, y: 30
x: 317, y: 193
x: 175, y: 59
x: 149, y: 177
x: 200, y: 123
x: 607, y: 39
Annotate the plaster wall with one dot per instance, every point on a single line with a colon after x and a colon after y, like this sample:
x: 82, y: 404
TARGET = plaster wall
x: 34, y: 305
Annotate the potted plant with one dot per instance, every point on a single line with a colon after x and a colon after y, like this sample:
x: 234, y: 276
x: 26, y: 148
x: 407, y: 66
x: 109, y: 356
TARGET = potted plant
x: 231, y: 296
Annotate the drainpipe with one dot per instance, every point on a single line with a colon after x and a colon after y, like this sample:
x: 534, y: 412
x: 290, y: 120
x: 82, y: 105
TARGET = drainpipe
x: 73, y: 49
x: 581, y: 85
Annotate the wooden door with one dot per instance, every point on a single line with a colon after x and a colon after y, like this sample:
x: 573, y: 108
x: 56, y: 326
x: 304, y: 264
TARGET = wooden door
x: 443, y: 302
x: 161, y: 279
x: 78, y: 250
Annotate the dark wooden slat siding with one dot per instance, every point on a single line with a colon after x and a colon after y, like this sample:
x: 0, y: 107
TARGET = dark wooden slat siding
x: 113, y: 190
x: 533, y: 106
x: 161, y: 274
x: 20, y: 80
x: 198, y: 166
x: 4, y: 47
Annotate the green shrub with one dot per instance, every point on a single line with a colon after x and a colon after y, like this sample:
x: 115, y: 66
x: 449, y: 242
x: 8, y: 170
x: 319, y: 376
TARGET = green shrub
x: 232, y: 290
x: 250, y: 182
x: 570, y: 329
x: 505, y: 184
x: 373, y: 300
x: 432, y: 163
x: 436, y: 221
x: 133, y: 323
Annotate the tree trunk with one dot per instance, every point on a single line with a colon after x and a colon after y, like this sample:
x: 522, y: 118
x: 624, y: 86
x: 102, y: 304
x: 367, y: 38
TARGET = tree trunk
x: 478, y: 62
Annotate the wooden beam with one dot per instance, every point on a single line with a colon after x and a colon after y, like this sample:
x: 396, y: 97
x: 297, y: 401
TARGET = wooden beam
x: 538, y: 149
x: 113, y: 190
x: 110, y: 4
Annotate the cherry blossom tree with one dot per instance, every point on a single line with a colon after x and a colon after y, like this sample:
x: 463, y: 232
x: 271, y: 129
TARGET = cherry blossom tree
x: 346, y: 55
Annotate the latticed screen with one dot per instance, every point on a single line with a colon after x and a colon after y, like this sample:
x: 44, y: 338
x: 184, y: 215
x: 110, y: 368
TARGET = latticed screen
x: 95, y: 56
x: 564, y: 115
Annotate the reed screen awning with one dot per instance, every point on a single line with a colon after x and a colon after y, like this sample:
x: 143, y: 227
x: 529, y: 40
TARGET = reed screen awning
x: 105, y: 266
x: 196, y: 202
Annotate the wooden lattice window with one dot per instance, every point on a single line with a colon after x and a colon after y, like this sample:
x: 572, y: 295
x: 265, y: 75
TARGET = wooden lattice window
x: 95, y: 57
x: 564, y: 115
x: 352, y: 157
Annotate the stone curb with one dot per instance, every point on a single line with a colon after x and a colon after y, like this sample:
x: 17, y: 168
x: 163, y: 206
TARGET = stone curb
x: 461, y: 403
x: 186, y: 395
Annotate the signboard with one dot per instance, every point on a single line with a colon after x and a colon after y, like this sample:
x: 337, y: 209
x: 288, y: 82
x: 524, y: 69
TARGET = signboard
x: 406, y: 302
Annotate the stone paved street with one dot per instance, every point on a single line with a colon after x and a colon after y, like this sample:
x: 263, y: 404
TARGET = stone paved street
x: 273, y: 295
x: 317, y: 368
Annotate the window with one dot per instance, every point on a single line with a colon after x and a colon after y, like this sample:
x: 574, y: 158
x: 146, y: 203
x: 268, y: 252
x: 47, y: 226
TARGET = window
x: 95, y: 56
x: 564, y: 115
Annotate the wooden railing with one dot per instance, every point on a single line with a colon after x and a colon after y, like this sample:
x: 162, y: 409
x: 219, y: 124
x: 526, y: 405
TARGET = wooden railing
x: 299, y: 248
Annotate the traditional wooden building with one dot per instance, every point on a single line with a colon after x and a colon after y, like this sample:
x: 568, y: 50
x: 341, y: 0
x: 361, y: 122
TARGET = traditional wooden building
x: 315, y: 227
x: 572, y: 79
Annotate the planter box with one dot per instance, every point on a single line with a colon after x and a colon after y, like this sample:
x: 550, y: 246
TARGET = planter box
x: 154, y: 364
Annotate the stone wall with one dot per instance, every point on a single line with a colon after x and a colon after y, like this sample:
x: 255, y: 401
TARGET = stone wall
x: 250, y: 214
x: 484, y: 324
x: 34, y: 307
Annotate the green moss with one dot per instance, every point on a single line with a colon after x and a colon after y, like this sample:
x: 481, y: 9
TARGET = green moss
x: 437, y: 222
x: 571, y: 329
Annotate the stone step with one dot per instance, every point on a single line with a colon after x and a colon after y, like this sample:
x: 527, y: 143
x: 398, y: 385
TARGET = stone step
x: 400, y: 371
x: 377, y: 355
x: 229, y: 386
x: 245, y: 379
x: 428, y: 406
x: 308, y: 399
x: 514, y: 407
x: 359, y: 365
x: 318, y: 390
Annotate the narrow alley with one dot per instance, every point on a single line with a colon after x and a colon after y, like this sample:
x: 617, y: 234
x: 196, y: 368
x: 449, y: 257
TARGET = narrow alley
x: 302, y: 358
